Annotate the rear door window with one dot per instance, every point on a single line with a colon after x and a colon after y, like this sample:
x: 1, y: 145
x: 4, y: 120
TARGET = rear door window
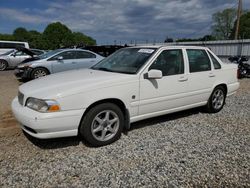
x: 198, y: 60
x: 215, y: 62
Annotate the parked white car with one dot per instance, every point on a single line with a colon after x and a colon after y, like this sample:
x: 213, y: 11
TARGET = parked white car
x: 130, y: 85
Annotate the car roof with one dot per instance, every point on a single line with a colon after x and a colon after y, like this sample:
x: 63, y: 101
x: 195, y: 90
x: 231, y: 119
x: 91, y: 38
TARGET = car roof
x: 169, y: 46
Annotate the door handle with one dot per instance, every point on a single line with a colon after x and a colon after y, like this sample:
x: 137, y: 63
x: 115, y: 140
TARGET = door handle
x: 73, y: 62
x: 211, y: 75
x: 183, y: 79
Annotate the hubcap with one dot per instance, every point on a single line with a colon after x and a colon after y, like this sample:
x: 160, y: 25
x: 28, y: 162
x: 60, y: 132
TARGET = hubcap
x: 105, y: 125
x: 2, y: 65
x: 40, y: 73
x: 218, y: 99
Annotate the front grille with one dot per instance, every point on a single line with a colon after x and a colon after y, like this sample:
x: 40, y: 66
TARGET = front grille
x: 20, y: 98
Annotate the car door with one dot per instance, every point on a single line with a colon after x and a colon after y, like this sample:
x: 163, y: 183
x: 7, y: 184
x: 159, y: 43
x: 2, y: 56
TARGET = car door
x: 86, y: 59
x: 169, y: 92
x: 201, y: 76
x: 64, y: 61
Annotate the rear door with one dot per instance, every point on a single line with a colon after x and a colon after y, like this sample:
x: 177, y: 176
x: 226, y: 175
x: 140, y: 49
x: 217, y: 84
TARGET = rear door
x: 64, y: 61
x: 201, y: 75
x: 86, y: 59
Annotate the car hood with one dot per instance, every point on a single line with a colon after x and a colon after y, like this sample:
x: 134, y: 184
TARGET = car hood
x: 25, y: 50
x: 73, y: 82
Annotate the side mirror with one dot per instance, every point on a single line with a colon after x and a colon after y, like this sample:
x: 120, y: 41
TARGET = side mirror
x: 153, y: 74
x: 60, y: 58
x: 14, y: 54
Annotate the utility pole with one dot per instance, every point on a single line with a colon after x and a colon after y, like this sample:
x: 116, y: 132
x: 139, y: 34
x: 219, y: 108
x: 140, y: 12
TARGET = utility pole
x: 236, y: 36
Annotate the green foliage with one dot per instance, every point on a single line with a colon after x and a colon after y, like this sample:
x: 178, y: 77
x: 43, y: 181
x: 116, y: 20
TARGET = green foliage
x: 6, y: 37
x: 55, y: 35
x: 80, y: 38
x: 21, y: 34
x: 223, y: 23
x: 205, y: 38
x: 244, y: 31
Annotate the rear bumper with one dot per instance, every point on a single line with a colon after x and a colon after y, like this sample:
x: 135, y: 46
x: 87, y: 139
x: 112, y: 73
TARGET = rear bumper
x: 232, y: 88
x: 47, y: 125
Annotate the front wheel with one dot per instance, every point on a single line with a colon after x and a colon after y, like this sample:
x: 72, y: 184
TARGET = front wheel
x: 216, y: 100
x: 39, y: 72
x: 102, y: 125
x: 3, y: 65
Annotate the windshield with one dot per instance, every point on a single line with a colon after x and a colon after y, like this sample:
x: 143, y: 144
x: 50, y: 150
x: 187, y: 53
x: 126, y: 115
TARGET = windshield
x: 8, y: 52
x: 126, y: 60
x: 50, y: 53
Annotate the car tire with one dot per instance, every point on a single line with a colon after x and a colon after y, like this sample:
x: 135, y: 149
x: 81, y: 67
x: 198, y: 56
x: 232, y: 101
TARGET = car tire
x: 216, y: 100
x: 39, y: 72
x: 3, y: 65
x: 102, y: 125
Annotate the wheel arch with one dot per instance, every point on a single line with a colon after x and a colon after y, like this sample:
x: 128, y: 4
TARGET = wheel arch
x: 115, y: 101
x: 223, y: 85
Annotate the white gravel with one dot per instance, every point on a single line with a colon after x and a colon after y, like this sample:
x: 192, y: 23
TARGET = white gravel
x: 186, y: 149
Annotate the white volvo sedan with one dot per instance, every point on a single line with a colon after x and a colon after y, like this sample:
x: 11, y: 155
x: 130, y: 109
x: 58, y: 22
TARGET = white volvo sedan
x: 130, y: 85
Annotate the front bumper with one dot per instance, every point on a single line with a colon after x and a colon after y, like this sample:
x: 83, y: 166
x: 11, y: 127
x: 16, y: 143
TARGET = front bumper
x: 47, y: 125
x: 23, y: 73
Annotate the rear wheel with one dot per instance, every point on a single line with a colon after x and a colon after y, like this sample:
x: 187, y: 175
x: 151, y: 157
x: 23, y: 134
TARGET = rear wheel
x: 3, y: 65
x: 39, y: 72
x: 216, y: 100
x: 102, y: 124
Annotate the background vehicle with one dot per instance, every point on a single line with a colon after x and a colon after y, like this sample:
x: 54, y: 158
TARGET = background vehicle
x: 243, y: 67
x: 56, y: 61
x: 130, y: 85
x: 12, y: 58
x: 104, y: 50
x: 6, y: 46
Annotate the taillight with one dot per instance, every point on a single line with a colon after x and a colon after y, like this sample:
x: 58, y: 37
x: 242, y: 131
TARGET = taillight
x: 238, y: 73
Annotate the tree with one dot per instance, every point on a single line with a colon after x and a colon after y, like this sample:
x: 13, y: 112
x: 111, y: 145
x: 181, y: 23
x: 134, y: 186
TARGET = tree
x: 244, y: 31
x: 21, y: 34
x: 223, y: 23
x: 37, y: 40
x: 57, y: 35
x: 80, y: 38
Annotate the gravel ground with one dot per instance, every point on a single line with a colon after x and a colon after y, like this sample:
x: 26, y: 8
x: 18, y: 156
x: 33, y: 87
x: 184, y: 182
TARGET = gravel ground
x: 186, y: 149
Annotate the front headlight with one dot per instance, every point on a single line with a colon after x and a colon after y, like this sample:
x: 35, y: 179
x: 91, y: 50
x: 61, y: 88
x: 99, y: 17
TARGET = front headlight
x: 41, y: 105
x: 25, y: 65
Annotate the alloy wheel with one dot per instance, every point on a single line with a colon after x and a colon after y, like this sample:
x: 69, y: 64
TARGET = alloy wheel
x: 105, y: 125
x: 39, y: 73
x: 3, y: 65
x: 218, y: 99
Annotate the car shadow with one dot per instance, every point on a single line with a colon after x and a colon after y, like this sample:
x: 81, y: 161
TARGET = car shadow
x: 57, y: 143
x: 54, y: 143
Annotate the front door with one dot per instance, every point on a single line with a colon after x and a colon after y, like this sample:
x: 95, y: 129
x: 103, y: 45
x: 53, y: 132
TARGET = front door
x: 64, y: 61
x: 169, y: 92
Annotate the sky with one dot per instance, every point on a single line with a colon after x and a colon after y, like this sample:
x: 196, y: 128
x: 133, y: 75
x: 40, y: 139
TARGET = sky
x: 117, y: 21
